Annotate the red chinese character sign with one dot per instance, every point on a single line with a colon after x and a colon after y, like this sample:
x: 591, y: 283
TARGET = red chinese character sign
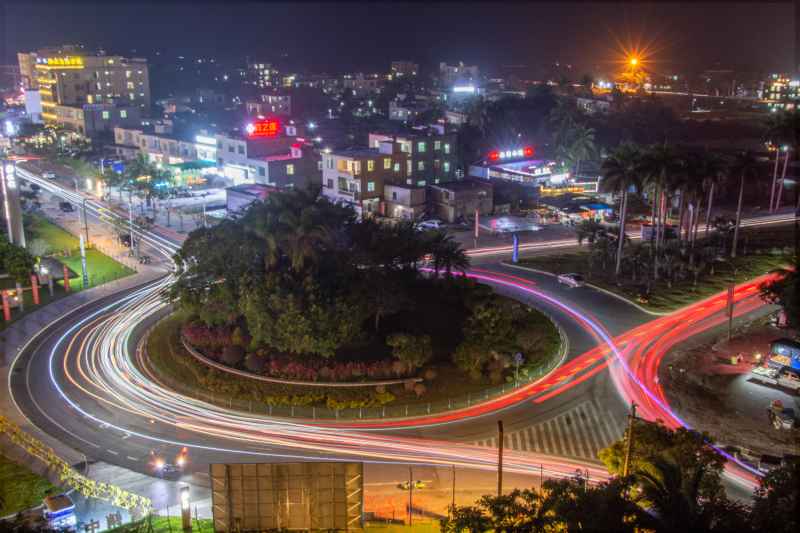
x: 269, y: 127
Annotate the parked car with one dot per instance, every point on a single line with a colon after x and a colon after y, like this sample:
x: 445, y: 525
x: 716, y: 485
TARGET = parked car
x: 49, y: 175
x: 431, y: 224
x: 66, y: 207
x: 571, y: 280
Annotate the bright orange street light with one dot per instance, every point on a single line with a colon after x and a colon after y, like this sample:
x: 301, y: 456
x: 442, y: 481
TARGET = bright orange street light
x: 633, y: 61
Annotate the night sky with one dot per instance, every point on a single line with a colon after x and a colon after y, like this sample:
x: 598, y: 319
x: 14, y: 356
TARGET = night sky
x: 337, y: 37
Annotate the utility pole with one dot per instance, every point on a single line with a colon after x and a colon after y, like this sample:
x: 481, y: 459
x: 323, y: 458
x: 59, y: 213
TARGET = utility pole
x: 453, y: 501
x: 500, y: 443
x: 85, y: 223
x: 130, y: 222
x: 410, y: 492
x: 629, y: 444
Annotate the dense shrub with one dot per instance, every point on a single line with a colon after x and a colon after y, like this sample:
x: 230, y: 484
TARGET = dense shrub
x: 413, y: 350
x: 232, y: 355
x: 255, y: 362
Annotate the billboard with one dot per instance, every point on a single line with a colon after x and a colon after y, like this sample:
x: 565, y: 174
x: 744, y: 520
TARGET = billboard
x: 268, y: 127
x: 288, y: 496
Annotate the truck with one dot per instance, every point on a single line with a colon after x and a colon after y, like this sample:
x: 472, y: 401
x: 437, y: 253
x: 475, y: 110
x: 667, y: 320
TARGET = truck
x: 772, y: 376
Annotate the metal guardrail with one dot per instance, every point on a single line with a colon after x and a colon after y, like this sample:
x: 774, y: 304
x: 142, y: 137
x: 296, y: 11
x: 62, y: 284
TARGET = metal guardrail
x: 402, y: 411
x: 197, y: 354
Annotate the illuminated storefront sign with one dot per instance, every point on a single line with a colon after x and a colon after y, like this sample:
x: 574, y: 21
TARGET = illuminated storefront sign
x: 63, y: 62
x: 467, y: 89
x: 208, y: 141
x: 269, y: 127
x: 498, y: 155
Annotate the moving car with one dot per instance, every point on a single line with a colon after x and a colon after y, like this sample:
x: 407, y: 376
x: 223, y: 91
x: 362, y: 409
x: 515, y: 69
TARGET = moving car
x: 49, y: 175
x: 430, y: 224
x: 571, y: 280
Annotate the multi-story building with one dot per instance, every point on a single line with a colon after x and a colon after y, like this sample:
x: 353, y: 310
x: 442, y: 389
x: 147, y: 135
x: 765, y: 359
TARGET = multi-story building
x: 431, y: 154
x: 406, y: 110
x: 460, y: 199
x: 782, y: 92
x: 363, y: 84
x: 70, y: 76
x: 262, y: 74
x: 403, y: 69
x: 460, y: 74
x: 358, y: 177
x: 271, y: 104
x: 92, y: 120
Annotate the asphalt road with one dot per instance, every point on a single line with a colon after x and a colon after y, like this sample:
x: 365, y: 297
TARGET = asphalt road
x: 75, y: 382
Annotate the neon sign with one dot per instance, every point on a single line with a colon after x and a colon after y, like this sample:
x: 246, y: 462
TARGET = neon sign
x: 496, y: 155
x: 264, y: 128
x: 67, y: 61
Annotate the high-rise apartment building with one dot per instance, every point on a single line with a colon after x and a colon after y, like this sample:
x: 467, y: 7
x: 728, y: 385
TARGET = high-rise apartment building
x: 72, y: 76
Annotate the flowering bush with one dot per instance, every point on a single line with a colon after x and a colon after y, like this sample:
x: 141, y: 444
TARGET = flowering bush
x: 212, y: 340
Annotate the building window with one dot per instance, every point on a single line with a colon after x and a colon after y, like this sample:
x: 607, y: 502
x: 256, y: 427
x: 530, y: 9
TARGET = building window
x: 123, y: 113
x: 420, y: 165
x: 370, y: 165
x: 241, y: 149
x: 130, y: 85
x: 127, y: 73
x: 370, y: 186
x: 356, y: 167
x: 106, y: 115
x: 437, y: 145
x: 397, y: 167
x: 230, y: 149
x: 447, y: 148
x: 421, y: 147
x: 330, y: 183
x: 447, y: 166
x: 387, y: 163
x: 262, y: 171
x: 421, y: 183
x: 330, y: 163
x: 408, y: 167
x: 394, y: 196
x: 290, y: 169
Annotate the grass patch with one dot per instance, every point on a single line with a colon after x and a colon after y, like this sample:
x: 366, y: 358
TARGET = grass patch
x: 663, y: 298
x: 162, y: 524
x: 102, y: 268
x: 20, y: 488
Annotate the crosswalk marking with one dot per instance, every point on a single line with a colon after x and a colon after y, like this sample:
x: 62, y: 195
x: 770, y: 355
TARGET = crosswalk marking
x: 580, y: 432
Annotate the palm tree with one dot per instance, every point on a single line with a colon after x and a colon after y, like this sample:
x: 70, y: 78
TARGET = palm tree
x: 621, y: 171
x: 783, y: 130
x: 659, y: 163
x: 745, y: 164
x: 671, y: 496
x: 713, y: 169
x: 581, y: 145
x: 447, y: 253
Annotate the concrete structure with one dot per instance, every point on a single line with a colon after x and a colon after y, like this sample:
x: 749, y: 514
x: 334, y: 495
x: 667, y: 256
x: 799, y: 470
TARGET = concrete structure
x: 431, y: 151
x: 92, y: 120
x: 460, y: 199
x: 362, y: 84
x: 406, y: 110
x: 403, y: 69
x: 240, y: 197
x: 271, y: 104
x: 261, y: 74
x: 70, y: 75
x: 782, y: 92
x: 590, y: 106
x: 357, y: 177
x: 450, y: 75
x: 404, y: 201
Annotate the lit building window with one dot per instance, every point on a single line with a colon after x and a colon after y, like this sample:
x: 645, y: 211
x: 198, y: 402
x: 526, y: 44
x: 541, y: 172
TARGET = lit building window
x: 370, y: 165
x: 123, y: 114
x: 289, y: 169
x: 420, y: 165
x: 387, y: 163
x: 370, y: 186
x: 437, y: 145
x: 106, y: 115
x: 420, y: 146
x: 408, y: 167
x: 447, y: 148
x: 447, y: 166
x: 397, y: 167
